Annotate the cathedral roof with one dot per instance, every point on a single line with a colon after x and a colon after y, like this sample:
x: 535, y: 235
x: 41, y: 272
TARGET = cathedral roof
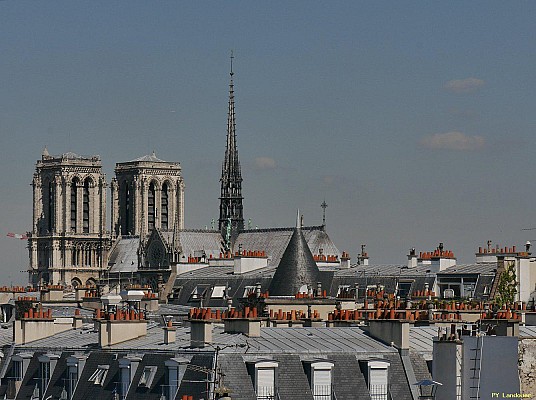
x: 124, y: 256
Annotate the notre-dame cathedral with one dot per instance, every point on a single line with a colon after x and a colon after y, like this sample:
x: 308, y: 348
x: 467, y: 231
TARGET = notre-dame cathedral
x: 70, y: 244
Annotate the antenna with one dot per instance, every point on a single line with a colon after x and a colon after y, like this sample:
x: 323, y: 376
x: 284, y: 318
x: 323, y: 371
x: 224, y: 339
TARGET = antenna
x: 232, y: 56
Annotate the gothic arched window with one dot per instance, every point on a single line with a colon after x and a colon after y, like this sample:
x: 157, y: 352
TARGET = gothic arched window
x: 151, y: 207
x: 74, y: 204
x: 164, y: 207
x: 50, y: 206
x: 85, y: 206
x: 125, y: 209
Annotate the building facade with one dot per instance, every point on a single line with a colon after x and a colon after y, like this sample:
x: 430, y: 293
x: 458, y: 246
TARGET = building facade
x: 68, y: 242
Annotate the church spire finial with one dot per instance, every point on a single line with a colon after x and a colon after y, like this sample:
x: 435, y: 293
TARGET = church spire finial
x: 232, y: 57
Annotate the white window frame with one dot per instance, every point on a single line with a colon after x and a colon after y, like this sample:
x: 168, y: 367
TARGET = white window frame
x: 263, y: 391
x: 341, y: 287
x: 378, y: 391
x: 321, y: 390
x: 218, y: 292
x: 147, y: 376
x: 98, y: 377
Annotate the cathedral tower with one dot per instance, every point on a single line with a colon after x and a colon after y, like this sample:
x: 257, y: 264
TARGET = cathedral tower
x: 68, y: 242
x: 231, y: 209
x: 147, y: 193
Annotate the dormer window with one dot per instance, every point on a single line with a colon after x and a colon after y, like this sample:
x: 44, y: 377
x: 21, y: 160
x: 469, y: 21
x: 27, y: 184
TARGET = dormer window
x: 176, y: 367
x: 403, y: 288
x: 378, y: 379
x: 47, y: 364
x: 320, y: 376
x: 127, y: 366
x: 20, y: 363
x: 99, y: 375
x: 147, y: 376
x: 265, y: 379
x: 75, y: 365
x: 16, y: 370
x: 218, y: 292
x: 199, y: 292
x: 248, y: 291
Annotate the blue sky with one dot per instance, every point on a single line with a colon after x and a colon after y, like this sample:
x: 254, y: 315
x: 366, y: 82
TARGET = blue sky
x: 414, y: 120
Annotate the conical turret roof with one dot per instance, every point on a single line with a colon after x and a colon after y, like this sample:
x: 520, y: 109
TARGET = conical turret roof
x: 296, y: 268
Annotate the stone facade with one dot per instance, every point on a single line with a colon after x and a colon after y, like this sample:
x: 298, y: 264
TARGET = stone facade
x: 147, y: 193
x: 68, y: 243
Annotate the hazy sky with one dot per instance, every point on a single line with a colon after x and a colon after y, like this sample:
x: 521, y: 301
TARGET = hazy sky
x: 413, y: 120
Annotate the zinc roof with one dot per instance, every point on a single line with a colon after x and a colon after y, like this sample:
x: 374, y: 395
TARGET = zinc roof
x: 476, y: 268
x: 272, y: 340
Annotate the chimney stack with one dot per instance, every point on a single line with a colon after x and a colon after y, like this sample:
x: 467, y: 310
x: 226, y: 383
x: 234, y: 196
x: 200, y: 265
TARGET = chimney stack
x: 200, y: 332
x: 169, y: 333
x: 412, y: 258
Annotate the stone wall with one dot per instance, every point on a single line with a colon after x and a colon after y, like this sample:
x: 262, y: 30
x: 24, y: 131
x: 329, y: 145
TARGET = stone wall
x: 527, y: 365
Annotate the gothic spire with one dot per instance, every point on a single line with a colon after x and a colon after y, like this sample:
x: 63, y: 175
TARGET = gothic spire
x: 231, y: 210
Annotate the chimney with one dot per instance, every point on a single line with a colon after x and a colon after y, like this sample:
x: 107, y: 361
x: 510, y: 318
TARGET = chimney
x: 200, y: 332
x: 120, y: 326
x: 250, y: 327
x: 37, y: 323
x: 363, y: 258
x: 247, y: 260
x: 345, y: 260
x: 390, y: 332
x: 412, y: 258
x: 169, y: 333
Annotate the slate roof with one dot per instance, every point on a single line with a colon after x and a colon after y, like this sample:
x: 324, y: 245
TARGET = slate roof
x: 272, y: 340
x: 137, y: 392
x: 398, y: 382
x: 58, y: 378
x: 236, y: 377
x: 292, y: 382
x: 420, y: 367
x: 194, y: 382
x: 87, y: 390
x: 124, y: 256
x: 31, y: 378
x: 196, y: 240
x: 290, y: 347
x: 275, y: 240
x: 351, y: 383
x: 527, y: 331
x: 296, y: 268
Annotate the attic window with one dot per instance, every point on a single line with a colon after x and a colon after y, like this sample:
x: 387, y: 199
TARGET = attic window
x: 199, y: 292
x: 378, y: 379
x: 248, y: 290
x: 403, y: 288
x: 218, y: 292
x: 320, y: 378
x: 17, y: 370
x: 265, y: 380
x: 99, y: 375
x: 147, y: 376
